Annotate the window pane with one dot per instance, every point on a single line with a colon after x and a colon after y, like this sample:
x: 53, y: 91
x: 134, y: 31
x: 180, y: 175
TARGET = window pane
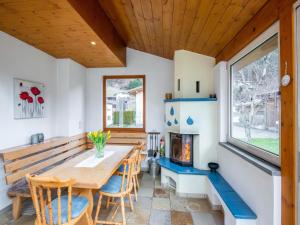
x: 124, y: 103
x: 255, y: 107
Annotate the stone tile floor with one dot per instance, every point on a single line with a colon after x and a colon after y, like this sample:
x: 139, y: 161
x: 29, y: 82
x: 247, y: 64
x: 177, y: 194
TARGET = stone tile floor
x: 155, y: 206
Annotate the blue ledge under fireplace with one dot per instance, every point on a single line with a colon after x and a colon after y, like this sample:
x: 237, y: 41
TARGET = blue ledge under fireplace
x: 166, y: 163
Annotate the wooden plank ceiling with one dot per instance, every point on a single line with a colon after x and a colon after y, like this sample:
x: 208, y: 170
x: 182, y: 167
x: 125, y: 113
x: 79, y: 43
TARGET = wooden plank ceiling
x: 162, y: 26
x: 64, y: 29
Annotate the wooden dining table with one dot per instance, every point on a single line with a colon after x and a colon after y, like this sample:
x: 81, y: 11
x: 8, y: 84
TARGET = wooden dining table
x: 89, y: 172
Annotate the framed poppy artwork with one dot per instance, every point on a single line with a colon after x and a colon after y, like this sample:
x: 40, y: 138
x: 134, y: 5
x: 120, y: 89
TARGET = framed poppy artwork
x: 29, y: 99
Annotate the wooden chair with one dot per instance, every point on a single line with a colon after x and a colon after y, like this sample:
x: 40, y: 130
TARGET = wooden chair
x: 137, y: 169
x: 53, y: 208
x: 118, y: 187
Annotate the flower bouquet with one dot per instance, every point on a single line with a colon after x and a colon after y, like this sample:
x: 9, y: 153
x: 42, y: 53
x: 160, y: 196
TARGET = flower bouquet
x: 99, y: 138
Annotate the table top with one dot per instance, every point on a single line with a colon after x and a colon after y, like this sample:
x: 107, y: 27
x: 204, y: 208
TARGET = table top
x: 91, y: 177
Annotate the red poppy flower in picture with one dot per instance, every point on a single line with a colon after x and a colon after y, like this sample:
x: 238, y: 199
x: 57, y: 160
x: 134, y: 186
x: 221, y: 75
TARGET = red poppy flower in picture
x: 35, y: 91
x: 24, y: 95
x: 29, y: 99
x: 40, y: 100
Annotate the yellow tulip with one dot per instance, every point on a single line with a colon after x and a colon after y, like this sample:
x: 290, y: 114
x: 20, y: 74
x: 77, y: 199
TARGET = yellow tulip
x: 95, y: 134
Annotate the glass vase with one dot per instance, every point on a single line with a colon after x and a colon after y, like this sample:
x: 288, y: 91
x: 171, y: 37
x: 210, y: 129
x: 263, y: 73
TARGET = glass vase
x: 99, y: 150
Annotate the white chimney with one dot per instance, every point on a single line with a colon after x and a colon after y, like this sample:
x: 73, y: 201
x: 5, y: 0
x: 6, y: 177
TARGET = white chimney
x: 193, y: 76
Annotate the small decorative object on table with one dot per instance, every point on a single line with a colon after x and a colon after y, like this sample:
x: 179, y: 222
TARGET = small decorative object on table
x: 213, y: 166
x: 99, y: 138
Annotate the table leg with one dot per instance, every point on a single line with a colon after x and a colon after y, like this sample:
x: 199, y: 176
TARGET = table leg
x: 88, y: 193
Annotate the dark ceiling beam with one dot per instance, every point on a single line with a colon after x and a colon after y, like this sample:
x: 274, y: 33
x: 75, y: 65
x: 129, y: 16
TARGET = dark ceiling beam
x: 94, y: 16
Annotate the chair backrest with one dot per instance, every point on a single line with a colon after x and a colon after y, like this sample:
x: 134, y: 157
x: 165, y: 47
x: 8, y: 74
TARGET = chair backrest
x: 128, y: 165
x: 43, y: 191
x: 140, y: 148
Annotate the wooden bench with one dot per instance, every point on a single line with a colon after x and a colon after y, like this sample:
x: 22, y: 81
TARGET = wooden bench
x: 22, y: 160
x: 125, y: 138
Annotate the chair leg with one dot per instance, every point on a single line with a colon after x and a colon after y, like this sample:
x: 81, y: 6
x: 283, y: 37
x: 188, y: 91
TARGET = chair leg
x: 137, y: 181
x: 107, y: 203
x: 134, y: 187
x: 17, y: 207
x: 123, y: 210
x: 98, y: 209
x: 88, y: 220
x: 130, y: 201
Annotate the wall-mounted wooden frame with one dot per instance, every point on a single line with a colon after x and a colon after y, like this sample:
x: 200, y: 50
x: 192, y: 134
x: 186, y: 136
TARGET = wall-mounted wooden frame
x: 105, y: 128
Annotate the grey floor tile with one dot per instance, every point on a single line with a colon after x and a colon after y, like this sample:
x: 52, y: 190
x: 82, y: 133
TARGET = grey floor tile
x: 160, y: 217
x: 143, y: 202
x: 146, y: 192
x: 200, y: 218
x: 161, y: 203
x: 139, y: 216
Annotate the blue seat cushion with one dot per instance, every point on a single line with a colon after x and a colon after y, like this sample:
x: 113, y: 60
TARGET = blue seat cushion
x: 79, y: 204
x: 121, y: 169
x: 234, y: 202
x: 113, y: 185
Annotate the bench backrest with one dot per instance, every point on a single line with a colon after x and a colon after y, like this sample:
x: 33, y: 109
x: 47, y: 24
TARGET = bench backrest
x: 19, y: 161
x: 122, y: 138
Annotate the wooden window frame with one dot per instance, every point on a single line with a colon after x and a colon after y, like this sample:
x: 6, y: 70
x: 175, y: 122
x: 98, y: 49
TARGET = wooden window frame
x: 144, y: 103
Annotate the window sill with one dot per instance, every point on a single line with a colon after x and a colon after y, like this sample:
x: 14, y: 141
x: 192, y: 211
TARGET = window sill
x: 259, y: 163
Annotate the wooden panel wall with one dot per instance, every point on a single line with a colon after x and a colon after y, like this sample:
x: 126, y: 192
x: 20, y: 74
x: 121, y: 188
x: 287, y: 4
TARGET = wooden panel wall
x: 283, y: 11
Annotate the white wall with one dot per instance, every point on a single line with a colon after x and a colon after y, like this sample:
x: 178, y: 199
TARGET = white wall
x: 260, y: 190
x: 189, y: 68
x: 20, y: 60
x: 159, y: 80
x: 70, y: 112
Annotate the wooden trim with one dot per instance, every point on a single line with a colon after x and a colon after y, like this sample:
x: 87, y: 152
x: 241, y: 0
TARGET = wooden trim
x: 144, y: 103
x: 265, y: 17
x: 288, y: 115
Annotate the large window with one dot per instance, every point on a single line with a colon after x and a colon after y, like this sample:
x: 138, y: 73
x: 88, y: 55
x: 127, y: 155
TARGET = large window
x: 255, y: 101
x: 124, y: 102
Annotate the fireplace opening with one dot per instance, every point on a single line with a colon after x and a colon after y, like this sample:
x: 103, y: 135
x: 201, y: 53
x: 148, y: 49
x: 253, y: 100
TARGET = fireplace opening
x: 181, y: 151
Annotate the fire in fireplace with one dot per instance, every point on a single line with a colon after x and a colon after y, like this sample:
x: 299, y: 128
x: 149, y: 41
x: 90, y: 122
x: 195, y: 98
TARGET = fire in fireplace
x: 181, y: 151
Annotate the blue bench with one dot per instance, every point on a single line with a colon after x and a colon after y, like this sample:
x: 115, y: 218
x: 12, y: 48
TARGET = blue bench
x: 236, y: 211
x: 238, y: 208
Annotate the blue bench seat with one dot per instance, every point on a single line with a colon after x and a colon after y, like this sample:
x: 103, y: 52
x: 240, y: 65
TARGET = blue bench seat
x: 233, y: 201
x: 237, y: 207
